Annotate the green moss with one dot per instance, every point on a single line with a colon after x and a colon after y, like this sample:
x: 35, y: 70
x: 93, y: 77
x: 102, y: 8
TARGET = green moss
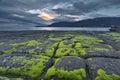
x: 78, y: 74
x: 114, y: 35
x: 78, y: 45
x: 61, y: 74
x: 87, y: 39
x: 81, y: 51
x: 6, y: 78
x: 27, y: 44
x: 102, y: 75
x: 54, y: 45
x: 68, y: 35
x: 88, y: 43
x: 66, y: 44
x: 32, y: 43
x: 66, y: 52
x: 47, y: 52
x: 2, y: 71
x: 9, y: 51
x: 31, y: 68
x: 97, y: 49
x: 56, y: 39
x: 110, y: 46
x: 85, y: 43
x: 1, y: 43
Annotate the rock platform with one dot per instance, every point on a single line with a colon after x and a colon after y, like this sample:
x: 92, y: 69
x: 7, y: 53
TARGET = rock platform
x: 59, y: 55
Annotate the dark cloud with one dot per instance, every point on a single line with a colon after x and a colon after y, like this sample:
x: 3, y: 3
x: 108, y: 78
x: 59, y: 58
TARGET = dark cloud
x: 96, y: 5
x: 71, y: 12
x: 10, y: 8
x: 81, y: 7
x: 87, y: 7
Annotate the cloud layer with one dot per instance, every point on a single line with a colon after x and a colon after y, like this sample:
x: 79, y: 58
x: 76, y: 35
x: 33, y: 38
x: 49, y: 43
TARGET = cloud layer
x: 40, y: 12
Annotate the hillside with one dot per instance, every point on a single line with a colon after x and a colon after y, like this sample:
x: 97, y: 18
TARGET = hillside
x: 96, y: 22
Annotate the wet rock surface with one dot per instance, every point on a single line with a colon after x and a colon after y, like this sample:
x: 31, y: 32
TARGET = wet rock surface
x: 67, y: 63
x: 41, y: 55
x: 105, y: 54
x: 109, y: 65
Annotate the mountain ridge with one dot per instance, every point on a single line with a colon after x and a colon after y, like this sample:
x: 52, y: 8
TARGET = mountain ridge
x: 96, y: 22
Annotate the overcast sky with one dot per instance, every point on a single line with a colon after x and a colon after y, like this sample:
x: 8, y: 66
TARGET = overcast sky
x: 39, y: 12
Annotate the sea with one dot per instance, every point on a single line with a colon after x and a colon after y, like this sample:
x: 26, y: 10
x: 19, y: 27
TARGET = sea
x: 54, y: 28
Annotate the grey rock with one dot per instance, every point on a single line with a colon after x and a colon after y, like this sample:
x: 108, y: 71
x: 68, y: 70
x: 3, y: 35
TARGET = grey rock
x: 107, y: 54
x: 110, y: 65
x: 70, y: 63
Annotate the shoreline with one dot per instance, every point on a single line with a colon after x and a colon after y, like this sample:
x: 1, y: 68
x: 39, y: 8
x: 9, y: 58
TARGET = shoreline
x: 77, y: 52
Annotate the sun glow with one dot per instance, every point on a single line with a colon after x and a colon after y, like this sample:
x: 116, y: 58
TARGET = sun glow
x: 47, y: 15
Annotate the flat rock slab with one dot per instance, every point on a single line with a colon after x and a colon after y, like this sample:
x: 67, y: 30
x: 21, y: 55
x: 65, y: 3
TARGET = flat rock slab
x: 105, y: 54
x: 67, y: 68
x: 7, y: 78
x: 4, y: 48
x: 25, y: 65
x: 38, y: 50
x: 70, y: 63
x: 47, y: 55
x: 116, y: 45
x: 112, y: 38
x: 109, y: 65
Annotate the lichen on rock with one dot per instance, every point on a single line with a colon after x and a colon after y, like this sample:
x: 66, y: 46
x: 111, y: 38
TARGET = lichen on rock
x: 23, y: 65
x: 102, y: 75
x: 7, y: 78
x: 66, y: 52
x: 67, y: 68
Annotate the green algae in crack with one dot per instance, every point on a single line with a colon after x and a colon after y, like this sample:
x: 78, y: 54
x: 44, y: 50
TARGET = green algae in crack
x: 31, y: 68
x: 51, y: 43
x: 6, y: 78
x: 2, y: 71
x: 89, y: 43
x: 9, y: 51
x: 55, y: 38
x: 69, y: 35
x: 1, y: 43
x: 102, y: 75
x: 45, y: 52
x: 114, y: 35
x: 66, y: 52
x: 80, y: 50
x: 27, y: 44
x: 54, y: 45
x: 63, y: 74
x: 78, y: 74
x: 66, y: 44
x: 87, y: 39
x: 97, y: 47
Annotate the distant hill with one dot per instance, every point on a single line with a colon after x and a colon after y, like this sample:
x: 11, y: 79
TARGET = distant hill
x: 96, y: 22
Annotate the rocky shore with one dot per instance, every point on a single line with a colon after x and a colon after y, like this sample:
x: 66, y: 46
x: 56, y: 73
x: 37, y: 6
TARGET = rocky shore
x: 115, y: 29
x: 55, y: 55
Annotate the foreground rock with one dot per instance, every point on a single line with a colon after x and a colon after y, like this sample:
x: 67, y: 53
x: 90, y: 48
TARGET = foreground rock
x: 103, y: 67
x: 104, y: 54
x: 35, y: 55
x: 24, y: 65
x: 67, y: 68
